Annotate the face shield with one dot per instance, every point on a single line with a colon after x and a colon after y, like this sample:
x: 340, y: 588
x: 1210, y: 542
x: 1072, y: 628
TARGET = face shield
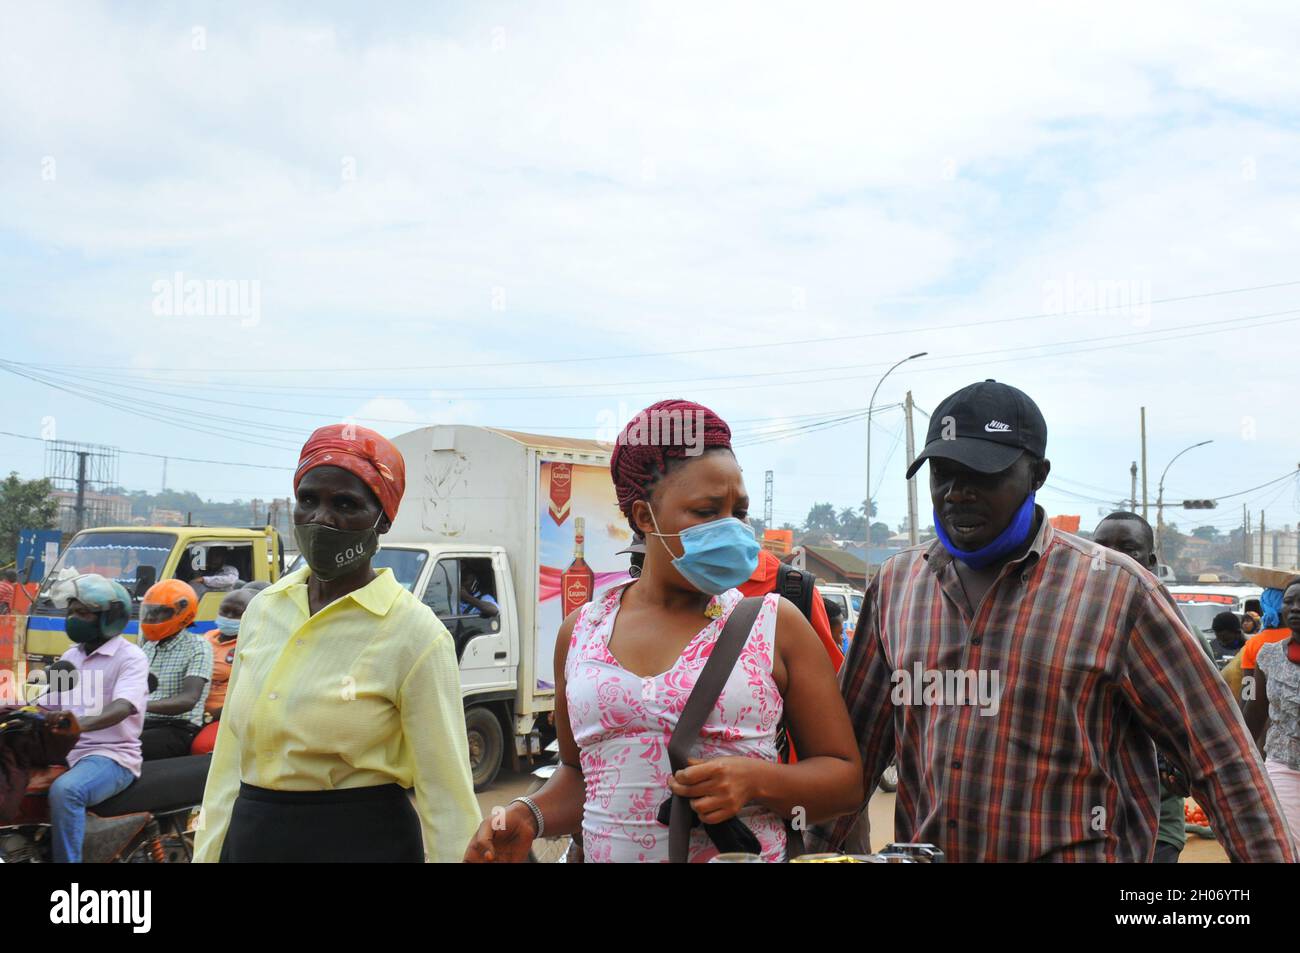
x: 152, y: 614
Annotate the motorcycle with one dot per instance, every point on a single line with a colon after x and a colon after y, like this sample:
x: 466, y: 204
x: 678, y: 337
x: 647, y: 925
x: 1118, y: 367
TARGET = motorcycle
x: 150, y: 821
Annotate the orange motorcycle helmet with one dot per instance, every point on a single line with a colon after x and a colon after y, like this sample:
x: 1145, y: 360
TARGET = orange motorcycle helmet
x: 167, y: 607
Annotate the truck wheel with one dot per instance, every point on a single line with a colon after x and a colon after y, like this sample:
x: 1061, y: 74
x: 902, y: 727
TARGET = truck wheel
x: 486, y: 746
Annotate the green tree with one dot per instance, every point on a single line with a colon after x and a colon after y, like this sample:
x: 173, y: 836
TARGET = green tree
x: 1172, y: 544
x: 821, y: 519
x: 851, y: 523
x: 24, y: 504
x: 1206, y: 532
x: 880, y: 533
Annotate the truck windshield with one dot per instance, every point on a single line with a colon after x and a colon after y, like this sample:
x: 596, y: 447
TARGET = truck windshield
x: 405, y: 564
x: 1200, y: 615
x: 117, y: 556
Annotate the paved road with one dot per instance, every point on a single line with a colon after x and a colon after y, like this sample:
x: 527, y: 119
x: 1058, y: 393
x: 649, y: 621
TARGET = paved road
x: 881, y: 811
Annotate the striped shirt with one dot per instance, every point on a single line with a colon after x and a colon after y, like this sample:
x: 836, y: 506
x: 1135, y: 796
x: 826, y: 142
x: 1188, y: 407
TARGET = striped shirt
x: 1025, y: 732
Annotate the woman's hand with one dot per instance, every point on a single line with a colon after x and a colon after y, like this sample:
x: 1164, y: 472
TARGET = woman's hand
x: 719, y: 788
x: 504, y: 838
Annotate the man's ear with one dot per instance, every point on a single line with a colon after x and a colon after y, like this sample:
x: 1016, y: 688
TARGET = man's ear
x: 1041, y: 469
x: 385, y: 524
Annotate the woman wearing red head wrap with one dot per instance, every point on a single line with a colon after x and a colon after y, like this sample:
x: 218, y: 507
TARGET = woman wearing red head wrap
x: 626, y: 664
x: 345, y: 692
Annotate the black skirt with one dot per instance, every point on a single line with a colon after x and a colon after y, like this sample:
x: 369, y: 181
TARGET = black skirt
x: 355, y: 825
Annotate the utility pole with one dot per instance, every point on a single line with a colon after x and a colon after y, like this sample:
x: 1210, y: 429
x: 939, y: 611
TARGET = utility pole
x: 913, y: 534
x: 1261, y: 537
x: 164, y: 479
x: 767, y: 499
x: 81, y: 490
x: 1245, y: 534
x: 1133, y: 498
x: 866, y: 553
x: 1144, y: 463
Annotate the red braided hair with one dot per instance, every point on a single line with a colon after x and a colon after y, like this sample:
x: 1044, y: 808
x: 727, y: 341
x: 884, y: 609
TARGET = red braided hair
x: 664, y: 431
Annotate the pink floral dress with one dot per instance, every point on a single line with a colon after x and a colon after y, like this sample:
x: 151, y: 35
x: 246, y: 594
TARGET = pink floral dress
x: 622, y: 722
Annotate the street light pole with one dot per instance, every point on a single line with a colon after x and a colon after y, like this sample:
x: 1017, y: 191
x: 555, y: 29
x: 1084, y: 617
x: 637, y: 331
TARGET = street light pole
x: 1160, y: 499
x: 866, y: 552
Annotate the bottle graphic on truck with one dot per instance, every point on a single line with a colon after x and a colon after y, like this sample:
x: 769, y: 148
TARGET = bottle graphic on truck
x: 578, y: 581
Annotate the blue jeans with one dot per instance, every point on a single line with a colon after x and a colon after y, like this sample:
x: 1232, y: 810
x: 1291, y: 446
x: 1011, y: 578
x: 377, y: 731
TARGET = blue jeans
x: 93, y: 779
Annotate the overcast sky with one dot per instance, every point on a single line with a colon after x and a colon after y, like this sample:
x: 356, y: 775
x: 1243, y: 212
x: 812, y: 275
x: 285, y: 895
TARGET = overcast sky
x: 436, y: 212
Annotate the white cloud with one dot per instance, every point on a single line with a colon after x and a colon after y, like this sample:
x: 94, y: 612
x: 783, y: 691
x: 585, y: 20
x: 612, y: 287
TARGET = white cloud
x: 492, y: 185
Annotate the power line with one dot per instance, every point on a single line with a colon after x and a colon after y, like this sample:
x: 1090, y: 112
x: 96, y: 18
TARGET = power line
x: 1228, y: 496
x: 1152, y: 335
x: 165, y: 456
x: 158, y: 416
x: 813, y: 427
x: 746, y: 347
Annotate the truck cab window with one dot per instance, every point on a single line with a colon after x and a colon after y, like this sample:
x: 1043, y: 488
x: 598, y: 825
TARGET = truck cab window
x: 477, y: 595
x: 442, y: 583
x: 216, y: 565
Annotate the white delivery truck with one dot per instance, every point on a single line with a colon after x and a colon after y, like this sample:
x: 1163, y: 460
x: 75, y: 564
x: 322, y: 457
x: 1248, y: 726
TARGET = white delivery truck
x: 524, y: 521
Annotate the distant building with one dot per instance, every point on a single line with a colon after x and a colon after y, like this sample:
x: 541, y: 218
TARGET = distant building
x: 1278, y: 549
x: 1197, y: 555
x: 161, y: 517
x: 829, y: 564
x: 99, y: 509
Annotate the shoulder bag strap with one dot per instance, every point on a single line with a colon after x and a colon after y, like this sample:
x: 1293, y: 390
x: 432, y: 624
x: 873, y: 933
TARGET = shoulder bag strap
x: 703, y: 697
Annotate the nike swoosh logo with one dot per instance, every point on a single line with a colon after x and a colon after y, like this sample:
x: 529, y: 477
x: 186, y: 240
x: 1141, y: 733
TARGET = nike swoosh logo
x: 991, y: 429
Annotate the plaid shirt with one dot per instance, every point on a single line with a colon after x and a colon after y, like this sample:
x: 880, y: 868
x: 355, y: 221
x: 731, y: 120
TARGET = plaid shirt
x: 1086, y: 662
x: 172, y: 661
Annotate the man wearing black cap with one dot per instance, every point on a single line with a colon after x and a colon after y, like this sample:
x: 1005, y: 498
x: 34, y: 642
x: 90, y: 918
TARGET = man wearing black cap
x: 1018, y: 674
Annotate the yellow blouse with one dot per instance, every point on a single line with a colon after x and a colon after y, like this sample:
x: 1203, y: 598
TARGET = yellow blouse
x: 365, y: 692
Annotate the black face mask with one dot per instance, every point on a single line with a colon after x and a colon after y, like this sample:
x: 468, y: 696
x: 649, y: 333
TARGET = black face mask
x: 334, y: 552
x: 82, y: 631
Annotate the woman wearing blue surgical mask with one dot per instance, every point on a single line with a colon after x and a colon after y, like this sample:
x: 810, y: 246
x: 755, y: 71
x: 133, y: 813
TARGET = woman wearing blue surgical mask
x: 626, y: 664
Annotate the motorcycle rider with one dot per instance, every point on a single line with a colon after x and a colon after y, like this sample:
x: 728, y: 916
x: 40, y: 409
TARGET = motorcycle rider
x: 181, y: 660
x: 224, y: 639
x: 106, y: 706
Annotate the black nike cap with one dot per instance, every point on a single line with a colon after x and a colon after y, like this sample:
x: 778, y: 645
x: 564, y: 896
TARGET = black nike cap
x: 986, y: 427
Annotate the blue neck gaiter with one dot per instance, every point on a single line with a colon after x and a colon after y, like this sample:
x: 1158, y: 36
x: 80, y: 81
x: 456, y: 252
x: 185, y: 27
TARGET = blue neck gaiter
x: 1007, y: 541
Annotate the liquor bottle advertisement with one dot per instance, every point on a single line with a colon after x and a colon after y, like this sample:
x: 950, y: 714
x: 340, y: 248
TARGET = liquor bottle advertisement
x: 580, y: 532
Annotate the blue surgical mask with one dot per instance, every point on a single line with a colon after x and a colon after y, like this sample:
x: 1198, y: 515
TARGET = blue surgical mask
x: 716, y: 556
x: 227, y: 626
